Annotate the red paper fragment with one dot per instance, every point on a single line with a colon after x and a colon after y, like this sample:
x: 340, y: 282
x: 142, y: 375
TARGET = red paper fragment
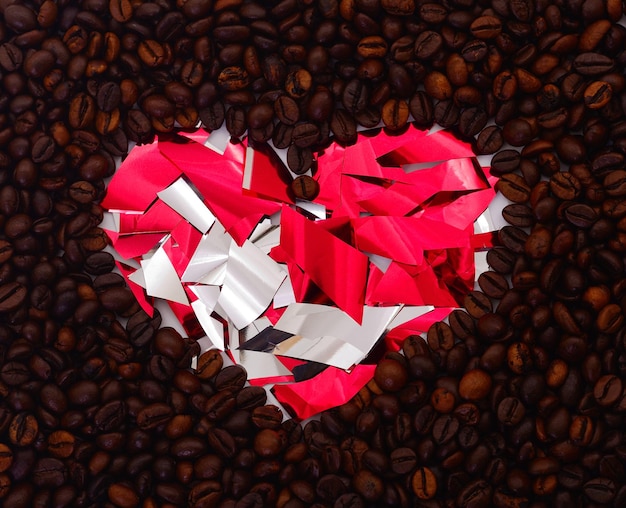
x: 133, y: 246
x: 331, y: 388
x: 439, y: 146
x: 136, y: 183
x: 417, y: 326
x: 266, y: 176
x: 337, y: 268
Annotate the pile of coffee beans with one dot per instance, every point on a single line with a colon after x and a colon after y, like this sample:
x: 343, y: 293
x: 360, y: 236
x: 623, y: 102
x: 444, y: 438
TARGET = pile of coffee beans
x: 518, y: 400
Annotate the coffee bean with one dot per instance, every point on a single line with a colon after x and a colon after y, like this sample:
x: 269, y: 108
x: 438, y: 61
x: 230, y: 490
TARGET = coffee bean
x: 424, y: 483
x: 12, y: 295
x: 590, y: 63
x: 600, y: 490
x: 305, y: 187
x: 23, y: 429
x: 395, y: 114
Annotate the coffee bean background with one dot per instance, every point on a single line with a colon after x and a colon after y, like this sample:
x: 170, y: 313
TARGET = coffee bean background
x: 517, y: 400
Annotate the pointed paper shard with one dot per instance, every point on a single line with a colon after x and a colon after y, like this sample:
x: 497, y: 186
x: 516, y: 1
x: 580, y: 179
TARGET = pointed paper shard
x: 250, y: 283
x: 161, y: 278
x: 182, y: 198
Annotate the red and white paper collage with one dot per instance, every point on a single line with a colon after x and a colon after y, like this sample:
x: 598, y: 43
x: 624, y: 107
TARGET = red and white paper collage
x: 297, y: 292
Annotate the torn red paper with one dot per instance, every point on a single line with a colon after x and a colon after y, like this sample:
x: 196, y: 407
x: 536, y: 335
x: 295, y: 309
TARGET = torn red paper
x: 330, y: 388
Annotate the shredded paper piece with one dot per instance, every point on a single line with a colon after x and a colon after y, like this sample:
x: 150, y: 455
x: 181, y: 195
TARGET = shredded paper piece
x: 300, y: 293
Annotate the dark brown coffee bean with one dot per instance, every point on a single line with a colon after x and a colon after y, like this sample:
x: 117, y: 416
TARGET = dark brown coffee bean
x: 394, y: 114
x: 607, y: 390
x: 518, y: 215
x: 12, y: 295
x: 424, y: 483
x: 19, y: 18
x: 581, y: 215
x: 591, y: 63
x: 565, y: 186
x: 11, y: 57
x: 209, y: 364
x: 153, y: 416
x: 49, y: 472
x: 493, y: 284
x: 355, y: 96
x: 305, y: 187
x: 511, y: 411
x: 286, y: 110
x: 505, y: 161
x: 305, y: 134
x: 267, y: 417
x: 600, y: 490
x: 471, y: 121
x: 23, y: 429
x: 489, y: 140
x: 231, y: 378
x: 343, y: 127
x: 299, y: 159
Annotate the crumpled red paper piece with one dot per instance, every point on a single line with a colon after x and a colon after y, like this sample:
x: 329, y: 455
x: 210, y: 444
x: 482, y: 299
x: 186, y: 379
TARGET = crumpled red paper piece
x: 328, y: 389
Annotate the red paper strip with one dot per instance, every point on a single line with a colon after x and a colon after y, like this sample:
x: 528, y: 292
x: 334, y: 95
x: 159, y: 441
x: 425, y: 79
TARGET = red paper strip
x: 405, y: 238
x: 331, y: 388
x: 337, y: 268
x: 439, y: 146
x: 158, y: 218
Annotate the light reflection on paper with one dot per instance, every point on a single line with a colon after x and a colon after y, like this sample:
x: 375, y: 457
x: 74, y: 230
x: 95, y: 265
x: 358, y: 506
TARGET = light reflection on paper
x: 182, y: 198
x: 161, y: 278
x: 211, y: 253
x: 250, y: 283
x: 328, y: 350
x: 335, y: 327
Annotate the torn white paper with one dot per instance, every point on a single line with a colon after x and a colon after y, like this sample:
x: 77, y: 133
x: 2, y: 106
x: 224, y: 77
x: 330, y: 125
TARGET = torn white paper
x: 181, y: 198
x: 251, y: 281
x: 211, y: 326
x: 211, y: 254
x: 161, y: 278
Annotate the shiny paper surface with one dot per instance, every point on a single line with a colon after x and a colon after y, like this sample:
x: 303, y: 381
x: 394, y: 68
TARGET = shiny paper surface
x: 296, y: 289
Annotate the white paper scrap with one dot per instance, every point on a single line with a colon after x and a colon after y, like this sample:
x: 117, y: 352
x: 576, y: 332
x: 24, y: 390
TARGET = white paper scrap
x: 138, y: 277
x: 111, y: 221
x: 218, y: 140
x: 211, y: 326
x: 328, y: 350
x: 285, y: 295
x: 208, y: 295
x: 259, y: 365
x: 315, y: 321
x: 211, y: 253
x: 314, y: 209
x: 251, y: 281
x: 181, y: 197
x: 161, y: 278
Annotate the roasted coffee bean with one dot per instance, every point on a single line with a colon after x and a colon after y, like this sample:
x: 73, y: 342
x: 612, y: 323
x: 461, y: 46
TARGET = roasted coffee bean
x: 305, y: 187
